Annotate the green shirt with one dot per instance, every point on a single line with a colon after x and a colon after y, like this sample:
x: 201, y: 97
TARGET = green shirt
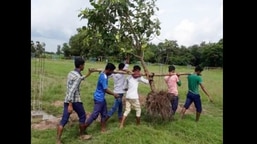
x: 193, y: 83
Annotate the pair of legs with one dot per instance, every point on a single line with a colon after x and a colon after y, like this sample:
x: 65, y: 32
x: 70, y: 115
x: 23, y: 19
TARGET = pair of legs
x: 99, y: 108
x: 136, y: 105
x: 79, y: 109
x: 174, y: 103
x: 117, y: 105
x: 192, y: 98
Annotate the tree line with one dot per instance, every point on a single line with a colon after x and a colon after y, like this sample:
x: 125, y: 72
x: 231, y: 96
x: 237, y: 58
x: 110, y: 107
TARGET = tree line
x: 116, y: 29
x: 168, y: 52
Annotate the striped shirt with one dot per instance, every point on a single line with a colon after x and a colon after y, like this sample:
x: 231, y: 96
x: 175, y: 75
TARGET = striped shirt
x: 73, y: 86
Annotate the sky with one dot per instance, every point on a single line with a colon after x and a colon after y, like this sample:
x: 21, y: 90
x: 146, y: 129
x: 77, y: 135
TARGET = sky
x: 188, y: 22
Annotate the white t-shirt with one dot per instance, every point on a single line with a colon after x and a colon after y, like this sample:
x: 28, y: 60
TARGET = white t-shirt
x: 119, y: 81
x: 126, y: 67
x: 132, y: 85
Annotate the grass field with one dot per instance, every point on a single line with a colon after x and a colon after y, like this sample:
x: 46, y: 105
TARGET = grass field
x: 209, y: 130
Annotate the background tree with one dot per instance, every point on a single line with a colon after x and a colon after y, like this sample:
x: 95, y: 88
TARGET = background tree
x: 212, y: 55
x: 66, y: 50
x: 58, y: 52
x: 196, y: 51
x: 37, y: 48
x: 32, y: 49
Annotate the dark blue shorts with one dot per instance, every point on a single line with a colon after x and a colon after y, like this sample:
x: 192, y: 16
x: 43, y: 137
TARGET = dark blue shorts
x: 99, y: 108
x: 78, y: 108
x: 191, y: 97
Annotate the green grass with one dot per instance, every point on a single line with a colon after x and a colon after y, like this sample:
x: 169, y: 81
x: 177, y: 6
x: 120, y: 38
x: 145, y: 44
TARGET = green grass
x: 209, y: 130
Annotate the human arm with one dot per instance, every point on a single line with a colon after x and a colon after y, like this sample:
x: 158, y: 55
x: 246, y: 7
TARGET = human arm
x: 88, y: 73
x: 111, y: 93
x: 126, y: 64
x: 125, y: 86
x: 178, y: 80
x: 70, y: 107
x: 144, y: 80
x: 204, y: 90
x: 103, y: 79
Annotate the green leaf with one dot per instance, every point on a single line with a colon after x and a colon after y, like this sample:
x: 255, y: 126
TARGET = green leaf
x: 123, y: 50
x: 144, y: 45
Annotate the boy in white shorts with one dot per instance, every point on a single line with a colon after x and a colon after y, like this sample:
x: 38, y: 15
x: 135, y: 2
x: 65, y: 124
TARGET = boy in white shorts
x: 132, y: 97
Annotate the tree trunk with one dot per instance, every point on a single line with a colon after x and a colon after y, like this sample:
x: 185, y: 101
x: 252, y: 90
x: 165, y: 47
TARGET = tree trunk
x: 152, y: 85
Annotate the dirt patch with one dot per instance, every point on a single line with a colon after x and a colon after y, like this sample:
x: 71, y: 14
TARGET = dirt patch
x: 52, y: 123
x: 58, y: 103
x: 45, y: 124
x: 190, y: 110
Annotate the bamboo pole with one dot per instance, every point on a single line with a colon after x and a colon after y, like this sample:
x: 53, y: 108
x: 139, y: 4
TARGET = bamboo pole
x: 129, y: 73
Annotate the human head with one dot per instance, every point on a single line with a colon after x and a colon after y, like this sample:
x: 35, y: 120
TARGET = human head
x: 136, y: 71
x: 79, y: 63
x: 171, y: 68
x: 198, y: 70
x: 121, y: 66
x: 136, y: 68
x: 109, y: 68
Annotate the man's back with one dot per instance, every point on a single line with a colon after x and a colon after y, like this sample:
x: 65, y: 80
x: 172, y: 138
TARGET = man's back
x: 119, y: 81
x: 172, y: 84
x: 193, y: 83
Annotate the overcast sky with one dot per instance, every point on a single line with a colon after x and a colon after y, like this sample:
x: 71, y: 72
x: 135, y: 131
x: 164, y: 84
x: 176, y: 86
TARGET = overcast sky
x: 187, y: 21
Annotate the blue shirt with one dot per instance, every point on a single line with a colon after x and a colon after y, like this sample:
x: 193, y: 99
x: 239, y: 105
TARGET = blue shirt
x: 102, y: 85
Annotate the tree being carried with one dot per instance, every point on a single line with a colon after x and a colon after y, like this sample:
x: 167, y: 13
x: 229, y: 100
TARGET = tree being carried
x: 128, y: 26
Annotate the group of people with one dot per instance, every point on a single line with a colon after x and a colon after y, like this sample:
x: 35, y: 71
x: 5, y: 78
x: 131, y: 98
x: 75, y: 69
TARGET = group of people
x: 123, y: 85
x: 193, y: 96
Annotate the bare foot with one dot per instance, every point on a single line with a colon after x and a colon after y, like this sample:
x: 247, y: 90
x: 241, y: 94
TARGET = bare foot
x: 103, y: 131
x: 58, y: 142
x: 121, y: 126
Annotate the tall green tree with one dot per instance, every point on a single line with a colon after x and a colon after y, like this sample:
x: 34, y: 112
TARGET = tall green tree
x: 212, y: 54
x: 66, y: 50
x: 38, y: 48
x: 196, y: 51
x: 123, y: 23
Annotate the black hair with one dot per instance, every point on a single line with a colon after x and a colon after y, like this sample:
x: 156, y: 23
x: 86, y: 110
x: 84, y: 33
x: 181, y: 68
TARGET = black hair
x: 136, y: 67
x: 171, y: 68
x: 121, y: 66
x: 78, y: 62
x: 110, y: 66
x: 198, y: 68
